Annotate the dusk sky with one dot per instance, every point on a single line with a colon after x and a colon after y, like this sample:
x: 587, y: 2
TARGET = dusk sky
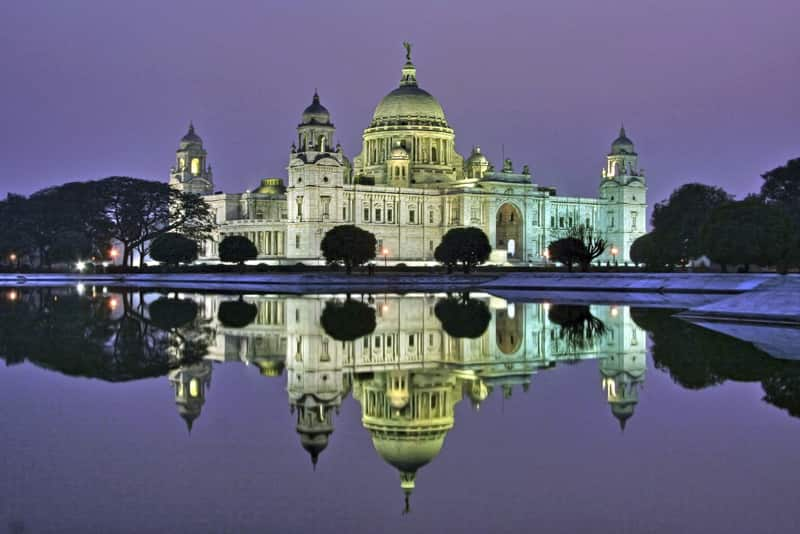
x: 709, y: 90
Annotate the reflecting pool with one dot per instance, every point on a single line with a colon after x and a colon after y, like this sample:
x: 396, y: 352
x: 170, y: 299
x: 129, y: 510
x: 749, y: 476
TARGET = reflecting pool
x: 144, y: 411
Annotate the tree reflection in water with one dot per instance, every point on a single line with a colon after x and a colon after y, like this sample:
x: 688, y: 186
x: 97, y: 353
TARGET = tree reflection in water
x: 698, y: 358
x: 463, y: 317
x: 236, y: 313
x: 577, y: 326
x: 107, y: 336
x: 348, y: 320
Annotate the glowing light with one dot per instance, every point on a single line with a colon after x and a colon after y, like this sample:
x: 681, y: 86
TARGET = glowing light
x: 113, y: 303
x: 105, y: 290
x: 385, y: 251
x: 12, y: 295
x: 12, y: 257
x: 194, y: 389
x: 614, y: 311
x: 614, y: 251
x: 80, y: 288
x: 81, y: 265
x: 546, y: 253
x: 384, y: 308
x: 113, y: 253
x: 546, y: 306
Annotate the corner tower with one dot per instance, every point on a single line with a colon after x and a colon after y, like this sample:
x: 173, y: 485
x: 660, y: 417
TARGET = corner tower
x: 317, y: 172
x: 624, y: 189
x: 191, y: 172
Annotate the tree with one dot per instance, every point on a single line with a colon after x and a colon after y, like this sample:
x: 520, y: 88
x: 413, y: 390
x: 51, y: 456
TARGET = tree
x: 139, y: 211
x: 567, y: 250
x: 172, y: 249
x: 677, y: 221
x: 236, y: 313
x: 593, y: 244
x: 749, y: 232
x: 348, y: 245
x: 468, y: 246
x: 781, y: 187
x: 645, y: 250
x: 348, y: 320
x: 237, y: 249
x: 462, y: 316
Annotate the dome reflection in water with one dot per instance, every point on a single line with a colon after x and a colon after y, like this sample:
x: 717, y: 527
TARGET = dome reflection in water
x: 407, y: 360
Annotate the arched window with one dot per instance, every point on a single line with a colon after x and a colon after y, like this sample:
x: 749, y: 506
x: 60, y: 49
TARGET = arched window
x: 195, y: 166
x: 404, y: 175
x: 322, y: 143
x: 397, y: 172
x: 433, y: 154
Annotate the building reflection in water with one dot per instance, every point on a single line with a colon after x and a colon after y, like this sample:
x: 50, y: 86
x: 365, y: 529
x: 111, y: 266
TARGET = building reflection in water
x: 409, y: 361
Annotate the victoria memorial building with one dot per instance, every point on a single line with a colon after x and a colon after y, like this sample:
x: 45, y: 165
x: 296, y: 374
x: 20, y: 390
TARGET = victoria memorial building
x: 409, y: 186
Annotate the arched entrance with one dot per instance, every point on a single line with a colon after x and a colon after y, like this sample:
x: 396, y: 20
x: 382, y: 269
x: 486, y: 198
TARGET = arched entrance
x: 509, y: 232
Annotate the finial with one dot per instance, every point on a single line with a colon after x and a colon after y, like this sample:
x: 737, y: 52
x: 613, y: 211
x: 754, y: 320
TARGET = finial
x: 407, y: 506
x: 622, y: 129
x: 314, y: 458
x: 316, y: 96
x: 407, y: 46
x: 191, y: 126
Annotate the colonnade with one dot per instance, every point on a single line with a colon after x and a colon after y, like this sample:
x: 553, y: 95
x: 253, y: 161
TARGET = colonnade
x: 422, y: 150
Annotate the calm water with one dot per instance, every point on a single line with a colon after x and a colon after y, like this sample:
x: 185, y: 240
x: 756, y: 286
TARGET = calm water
x: 176, y: 412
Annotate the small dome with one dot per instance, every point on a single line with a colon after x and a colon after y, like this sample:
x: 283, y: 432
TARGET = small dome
x: 316, y: 112
x: 622, y: 145
x: 477, y: 157
x: 270, y: 186
x: 191, y: 138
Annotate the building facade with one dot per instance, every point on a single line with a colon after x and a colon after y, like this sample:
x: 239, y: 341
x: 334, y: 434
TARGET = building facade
x: 409, y: 186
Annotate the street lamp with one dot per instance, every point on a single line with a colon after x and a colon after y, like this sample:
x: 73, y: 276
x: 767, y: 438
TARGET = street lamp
x: 614, y: 252
x: 385, y: 252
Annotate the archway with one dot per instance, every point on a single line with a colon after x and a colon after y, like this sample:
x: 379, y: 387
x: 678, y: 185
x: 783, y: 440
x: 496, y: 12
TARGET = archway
x: 509, y: 231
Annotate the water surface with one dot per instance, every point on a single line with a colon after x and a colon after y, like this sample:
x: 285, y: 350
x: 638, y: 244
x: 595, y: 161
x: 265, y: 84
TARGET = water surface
x: 165, y: 411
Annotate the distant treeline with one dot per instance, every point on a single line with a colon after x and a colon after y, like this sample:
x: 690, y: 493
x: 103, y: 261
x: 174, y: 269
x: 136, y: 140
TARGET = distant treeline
x: 701, y: 220
x: 97, y: 220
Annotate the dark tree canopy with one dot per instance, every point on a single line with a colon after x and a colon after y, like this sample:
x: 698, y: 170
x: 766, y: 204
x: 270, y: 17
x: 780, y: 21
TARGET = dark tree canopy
x: 467, y: 246
x: 677, y: 221
x: 236, y: 313
x: 172, y: 249
x: 348, y: 245
x: 127, y: 211
x: 567, y: 250
x: 750, y: 232
x: 237, y: 249
x: 463, y: 317
x: 781, y: 187
x: 348, y: 320
x: 644, y: 250
x: 170, y: 313
x: 577, y: 325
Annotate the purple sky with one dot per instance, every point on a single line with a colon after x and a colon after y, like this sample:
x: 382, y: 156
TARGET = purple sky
x: 708, y: 89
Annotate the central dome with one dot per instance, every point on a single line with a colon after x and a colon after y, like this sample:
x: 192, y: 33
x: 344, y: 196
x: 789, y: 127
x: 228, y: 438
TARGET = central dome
x: 408, y: 104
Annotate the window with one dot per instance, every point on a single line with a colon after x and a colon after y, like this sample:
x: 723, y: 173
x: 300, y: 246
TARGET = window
x: 561, y: 222
x: 300, y: 207
x: 412, y: 215
x: 326, y: 206
x: 378, y: 214
x: 297, y: 241
x: 411, y: 340
x: 195, y: 166
x: 389, y: 215
x: 511, y: 217
x: 587, y: 222
x: 552, y: 221
x: 366, y: 213
x: 344, y: 214
x: 404, y: 173
x: 377, y: 342
x: 397, y: 172
x: 610, y: 220
x: 430, y: 217
x: 430, y: 245
x: 634, y: 216
x: 570, y: 222
x: 325, y: 179
x: 433, y: 154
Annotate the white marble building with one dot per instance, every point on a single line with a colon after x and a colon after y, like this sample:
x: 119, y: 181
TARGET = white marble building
x: 409, y: 186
